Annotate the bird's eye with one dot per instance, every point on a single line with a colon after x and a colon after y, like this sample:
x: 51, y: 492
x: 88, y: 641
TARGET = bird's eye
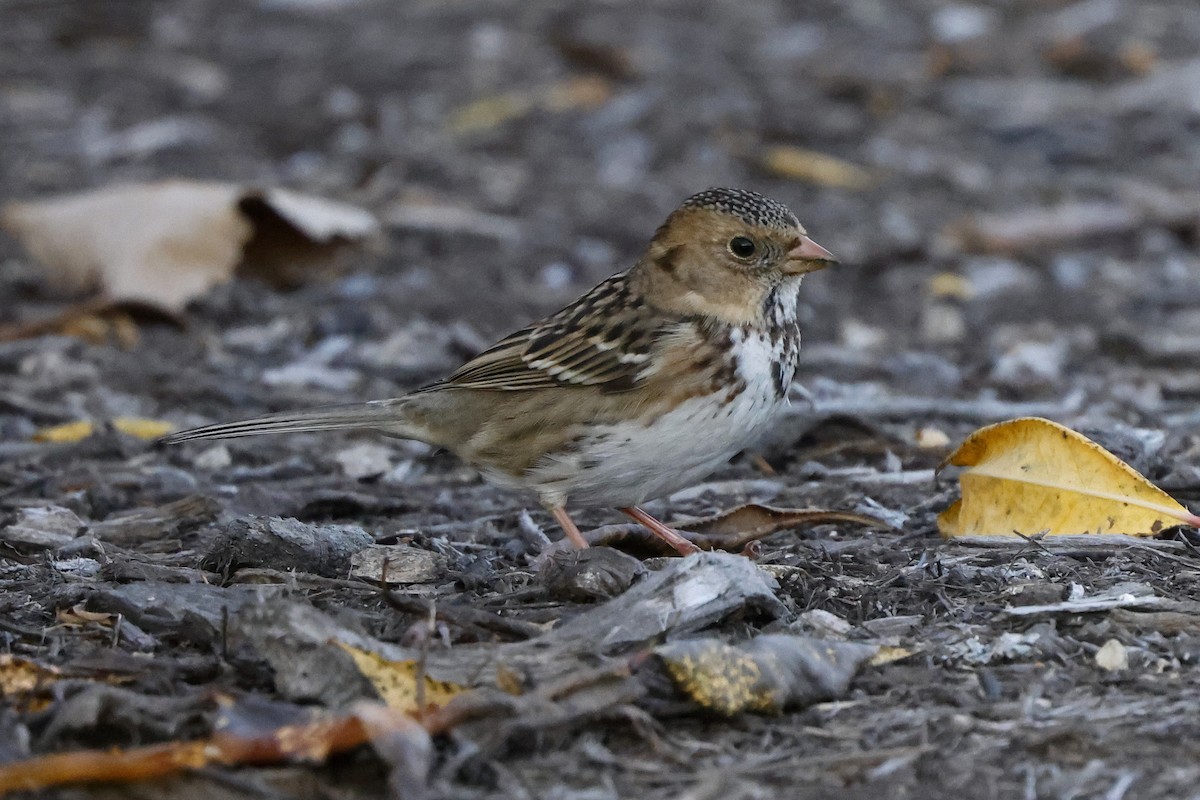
x: 741, y: 247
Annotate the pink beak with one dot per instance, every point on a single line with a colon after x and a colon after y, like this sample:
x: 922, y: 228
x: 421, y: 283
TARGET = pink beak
x: 808, y: 256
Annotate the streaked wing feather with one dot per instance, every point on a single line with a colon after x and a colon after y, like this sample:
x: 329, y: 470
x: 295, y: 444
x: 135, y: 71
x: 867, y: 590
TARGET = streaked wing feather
x: 604, y: 339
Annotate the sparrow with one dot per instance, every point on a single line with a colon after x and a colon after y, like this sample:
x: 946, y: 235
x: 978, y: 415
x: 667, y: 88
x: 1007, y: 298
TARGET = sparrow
x: 641, y: 387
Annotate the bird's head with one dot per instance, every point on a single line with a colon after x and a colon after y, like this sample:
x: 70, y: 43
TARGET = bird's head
x: 723, y: 251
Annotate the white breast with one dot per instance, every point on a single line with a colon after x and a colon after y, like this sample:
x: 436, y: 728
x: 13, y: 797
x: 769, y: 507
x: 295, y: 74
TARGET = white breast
x: 629, y: 463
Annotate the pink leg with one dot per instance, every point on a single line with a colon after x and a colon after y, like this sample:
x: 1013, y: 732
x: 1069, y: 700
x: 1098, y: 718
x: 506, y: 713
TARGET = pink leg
x: 568, y: 526
x: 664, y: 532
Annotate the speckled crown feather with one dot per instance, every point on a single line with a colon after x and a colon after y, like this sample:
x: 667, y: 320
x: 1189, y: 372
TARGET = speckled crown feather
x: 750, y: 207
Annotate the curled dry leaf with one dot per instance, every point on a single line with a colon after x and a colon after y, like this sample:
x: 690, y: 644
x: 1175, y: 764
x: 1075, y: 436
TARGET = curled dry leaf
x: 766, y: 674
x: 1032, y: 476
x: 731, y: 530
x: 166, y: 243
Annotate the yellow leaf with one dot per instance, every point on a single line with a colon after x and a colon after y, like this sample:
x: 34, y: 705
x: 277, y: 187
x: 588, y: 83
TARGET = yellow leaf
x: 582, y: 93
x: 66, y: 433
x: 20, y: 676
x: 1032, y: 476
x: 396, y: 682
x: 143, y: 428
x: 890, y: 653
x: 800, y: 164
x: 720, y: 677
x: 77, y: 431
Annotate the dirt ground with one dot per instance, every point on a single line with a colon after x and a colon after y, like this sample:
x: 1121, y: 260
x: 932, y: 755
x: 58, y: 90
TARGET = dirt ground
x: 1013, y: 195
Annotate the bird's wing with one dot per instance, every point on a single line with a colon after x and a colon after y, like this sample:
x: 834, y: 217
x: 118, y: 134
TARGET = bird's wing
x: 605, y: 339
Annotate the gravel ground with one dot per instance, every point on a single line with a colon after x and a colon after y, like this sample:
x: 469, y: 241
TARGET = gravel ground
x: 1010, y: 185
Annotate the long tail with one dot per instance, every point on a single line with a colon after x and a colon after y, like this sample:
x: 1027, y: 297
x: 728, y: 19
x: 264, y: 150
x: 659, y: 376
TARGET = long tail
x: 386, y: 416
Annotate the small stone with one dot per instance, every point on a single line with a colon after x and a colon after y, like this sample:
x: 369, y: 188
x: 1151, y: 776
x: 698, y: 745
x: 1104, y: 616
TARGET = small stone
x: 405, y: 564
x: 1031, y: 363
x: 44, y: 527
x: 942, y: 323
x: 930, y: 438
x: 858, y: 335
x: 214, y: 458
x: 822, y: 623
x: 1112, y: 656
x: 318, y: 376
x: 365, y: 460
x: 953, y: 24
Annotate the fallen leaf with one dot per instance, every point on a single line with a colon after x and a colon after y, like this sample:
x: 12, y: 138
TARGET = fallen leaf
x: 730, y: 530
x: 890, y: 653
x: 147, y: 429
x: 766, y: 674
x: 77, y: 616
x: 143, y: 428
x: 810, y: 166
x: 1031, y: 476
x: 66, y: 433
x: 397, y: 682
x: 585, y: 92
x: 20, y: 676
x: 166, y: 243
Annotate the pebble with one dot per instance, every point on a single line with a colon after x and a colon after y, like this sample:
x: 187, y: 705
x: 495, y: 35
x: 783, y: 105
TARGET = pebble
x: 214, y: 458
x: 307, y: 374
x: 953, y: 24
x: 47, y: 527
x: 364, y: 460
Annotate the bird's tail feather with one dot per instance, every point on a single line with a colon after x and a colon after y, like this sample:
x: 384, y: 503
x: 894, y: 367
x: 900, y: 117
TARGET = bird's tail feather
x: 386, y: 416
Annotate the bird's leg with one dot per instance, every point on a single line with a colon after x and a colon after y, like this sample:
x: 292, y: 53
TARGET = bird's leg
x: 568, y: 526
x: 664, y: 532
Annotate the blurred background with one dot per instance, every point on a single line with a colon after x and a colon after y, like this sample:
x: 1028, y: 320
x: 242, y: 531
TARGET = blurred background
x: 1011, y: 185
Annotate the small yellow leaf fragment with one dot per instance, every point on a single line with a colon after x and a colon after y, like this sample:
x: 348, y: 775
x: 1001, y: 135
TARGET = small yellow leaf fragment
x: 810, y: 166
x: 396, y: 682
x: 951, y: 286
x: 890, y: 653
x: 580, y: 93
x: 719, y: 677
x: 1032, y: 476
x: 65, y: 433
x: 20, y: 676
x: 1112, y: 656
x: 143, y: 428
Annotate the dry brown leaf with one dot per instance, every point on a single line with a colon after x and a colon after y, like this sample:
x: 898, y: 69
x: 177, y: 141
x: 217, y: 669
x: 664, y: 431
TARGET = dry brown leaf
x: 1032, y: 476
x: 810, y: 166
x: 397, y: 682
x: 166, y: 243
x: 730, y: 530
